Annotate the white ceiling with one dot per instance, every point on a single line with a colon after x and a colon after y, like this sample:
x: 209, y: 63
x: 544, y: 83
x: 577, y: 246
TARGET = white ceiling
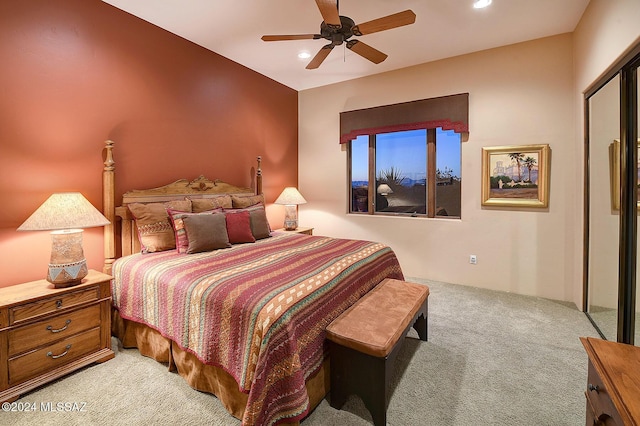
x: 443, y: 28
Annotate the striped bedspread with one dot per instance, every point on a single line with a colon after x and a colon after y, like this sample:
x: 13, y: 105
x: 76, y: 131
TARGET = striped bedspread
x: 258, y: 310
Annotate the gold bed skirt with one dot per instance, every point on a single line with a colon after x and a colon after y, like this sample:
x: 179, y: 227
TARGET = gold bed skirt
x: 205, y: 378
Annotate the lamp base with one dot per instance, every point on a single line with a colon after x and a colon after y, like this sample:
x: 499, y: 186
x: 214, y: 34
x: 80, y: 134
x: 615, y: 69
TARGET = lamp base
x: 68, y: 265
x: 67, y: 274
x: 290, y: 217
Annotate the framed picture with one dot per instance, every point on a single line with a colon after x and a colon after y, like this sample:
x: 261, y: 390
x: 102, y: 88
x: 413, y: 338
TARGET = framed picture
x: 614, y: 151
x: 516, y: 176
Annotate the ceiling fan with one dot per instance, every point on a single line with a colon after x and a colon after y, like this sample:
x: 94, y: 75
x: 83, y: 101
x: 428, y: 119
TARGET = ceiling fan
x: 339, y: 29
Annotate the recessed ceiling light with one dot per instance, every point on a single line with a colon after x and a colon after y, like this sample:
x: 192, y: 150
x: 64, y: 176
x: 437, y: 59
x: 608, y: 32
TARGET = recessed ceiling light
x: 479, y: 4
x: 304, y: 55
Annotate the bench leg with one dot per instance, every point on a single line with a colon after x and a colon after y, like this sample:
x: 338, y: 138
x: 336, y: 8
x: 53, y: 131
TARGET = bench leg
x: 353, y: 372
x: 374, y: 395
x: 341, y: 370
x: 421, y: 322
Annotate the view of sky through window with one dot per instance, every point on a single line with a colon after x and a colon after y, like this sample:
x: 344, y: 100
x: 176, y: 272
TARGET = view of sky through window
x: 405, y: 151
x: 448, y: 153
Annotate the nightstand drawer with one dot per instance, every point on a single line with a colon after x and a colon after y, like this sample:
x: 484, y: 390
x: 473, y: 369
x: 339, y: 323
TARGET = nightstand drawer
x: 50, y: 357
x: 51, y: 329
x: 52, y: 304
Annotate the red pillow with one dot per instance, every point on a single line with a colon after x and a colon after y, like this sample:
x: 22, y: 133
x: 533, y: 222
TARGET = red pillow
x: 239, y: 227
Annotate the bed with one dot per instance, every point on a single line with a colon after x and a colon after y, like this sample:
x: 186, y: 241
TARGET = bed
x: 245, y: 320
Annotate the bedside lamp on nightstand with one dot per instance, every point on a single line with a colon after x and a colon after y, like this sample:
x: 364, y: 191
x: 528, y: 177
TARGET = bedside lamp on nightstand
x: 65, y: 214
x: 290, y: 197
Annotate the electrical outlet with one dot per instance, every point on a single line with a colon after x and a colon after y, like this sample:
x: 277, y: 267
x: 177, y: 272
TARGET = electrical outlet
x: 473, y: 259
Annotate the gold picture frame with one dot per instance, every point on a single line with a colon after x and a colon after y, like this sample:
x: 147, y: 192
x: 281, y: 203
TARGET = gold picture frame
x: 516, y: 176
x: 614, y: 161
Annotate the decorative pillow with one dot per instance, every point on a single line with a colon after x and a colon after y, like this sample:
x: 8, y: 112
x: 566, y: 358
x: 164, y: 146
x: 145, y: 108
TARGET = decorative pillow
x: 152, y: 223
x: 177, y: 219
x: 205, y: 204
x: 239, y: 227
x: 257, y: 221
x: 244, y: 201
x: 206, y: 232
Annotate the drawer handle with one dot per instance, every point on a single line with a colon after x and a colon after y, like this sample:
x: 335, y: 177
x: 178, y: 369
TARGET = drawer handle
x: 594, y: 388
x: 58, y: 304
x: 50, y: 354
x: 66, y: 324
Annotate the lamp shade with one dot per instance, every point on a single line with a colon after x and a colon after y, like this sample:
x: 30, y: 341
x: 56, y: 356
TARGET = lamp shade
x: 384, y: 189
x: 65, y: 214
x: 290, y: 196
x: 68, y: 210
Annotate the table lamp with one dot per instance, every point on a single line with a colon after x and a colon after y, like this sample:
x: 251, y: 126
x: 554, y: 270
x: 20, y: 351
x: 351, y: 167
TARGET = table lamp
x: 65, y: 214
x: 290, y: 197
x: 384, y: 189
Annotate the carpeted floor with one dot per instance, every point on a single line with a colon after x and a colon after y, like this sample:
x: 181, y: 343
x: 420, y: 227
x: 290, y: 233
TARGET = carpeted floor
x: 492, y: 358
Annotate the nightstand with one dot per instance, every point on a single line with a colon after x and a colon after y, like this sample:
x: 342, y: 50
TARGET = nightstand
x: 298, y: 230
x: 48, y: 332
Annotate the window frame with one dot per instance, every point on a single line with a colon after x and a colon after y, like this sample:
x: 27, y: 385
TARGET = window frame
x: 431, y: 182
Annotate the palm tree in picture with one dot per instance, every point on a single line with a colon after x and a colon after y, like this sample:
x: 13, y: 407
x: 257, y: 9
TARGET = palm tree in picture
x: 517, y: 158
x: 529, y: 162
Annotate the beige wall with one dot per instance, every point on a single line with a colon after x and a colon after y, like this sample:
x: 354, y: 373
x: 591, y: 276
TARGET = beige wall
x: 607, y: 29
x: 520, y: 94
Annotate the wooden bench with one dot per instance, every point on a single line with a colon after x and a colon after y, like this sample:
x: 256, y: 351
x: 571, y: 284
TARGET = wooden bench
x: 366, y: 338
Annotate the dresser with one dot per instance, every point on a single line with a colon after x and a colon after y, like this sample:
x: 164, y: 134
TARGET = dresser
x: 613, y: 384
x: 47, y: 332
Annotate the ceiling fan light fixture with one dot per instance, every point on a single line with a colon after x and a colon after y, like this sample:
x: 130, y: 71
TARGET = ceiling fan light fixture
x: 480, y: 4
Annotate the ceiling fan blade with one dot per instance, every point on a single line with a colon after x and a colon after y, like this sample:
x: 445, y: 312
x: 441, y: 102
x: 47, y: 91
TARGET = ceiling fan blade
x: 291, y: 37
x: 329, y: 12
x: 366, y: 51
x: 385, y: 23
x: 320, y: 57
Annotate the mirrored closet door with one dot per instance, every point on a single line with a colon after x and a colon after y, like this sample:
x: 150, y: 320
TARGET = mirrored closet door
x: 612, y: 177
x: 604, y: 209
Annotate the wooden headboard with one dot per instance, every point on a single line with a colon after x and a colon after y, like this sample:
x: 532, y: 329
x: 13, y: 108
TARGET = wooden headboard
x: 200, y: 187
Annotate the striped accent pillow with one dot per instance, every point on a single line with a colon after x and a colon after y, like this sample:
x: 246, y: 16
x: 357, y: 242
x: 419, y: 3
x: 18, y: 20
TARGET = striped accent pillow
x: 154, y: 226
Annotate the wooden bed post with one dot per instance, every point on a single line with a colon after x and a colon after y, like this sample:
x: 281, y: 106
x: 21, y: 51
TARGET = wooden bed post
x: 259, y: 176
x: 108, y: 205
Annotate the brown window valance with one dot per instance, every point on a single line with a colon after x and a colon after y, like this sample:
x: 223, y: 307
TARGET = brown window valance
x: 448, y: 112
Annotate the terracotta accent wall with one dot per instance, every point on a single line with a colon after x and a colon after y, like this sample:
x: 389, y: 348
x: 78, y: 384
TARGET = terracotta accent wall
x: 77, y: 72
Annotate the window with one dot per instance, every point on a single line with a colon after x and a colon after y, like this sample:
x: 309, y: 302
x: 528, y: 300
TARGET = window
x: 405, y: 158
x: 406, y: 172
